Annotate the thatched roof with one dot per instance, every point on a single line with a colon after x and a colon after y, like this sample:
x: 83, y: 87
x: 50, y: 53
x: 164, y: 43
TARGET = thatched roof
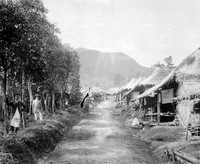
x: 112, y: 90
x: 126, y: 86
x: 187, y: 70
x: 135, y: 84
x: 93, y: 90
x: 97, y: 90
x: 156, y: 77
x: 156, y: 87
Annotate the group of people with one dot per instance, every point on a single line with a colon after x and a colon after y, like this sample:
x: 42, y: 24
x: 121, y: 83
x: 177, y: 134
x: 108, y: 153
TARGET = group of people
x: 18, y: 109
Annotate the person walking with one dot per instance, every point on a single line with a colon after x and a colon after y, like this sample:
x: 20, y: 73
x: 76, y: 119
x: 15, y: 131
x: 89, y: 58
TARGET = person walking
x: 17, y: 108
x: 37, y: 108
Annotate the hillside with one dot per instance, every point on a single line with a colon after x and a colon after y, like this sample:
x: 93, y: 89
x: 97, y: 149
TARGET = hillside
x: 101, y: 68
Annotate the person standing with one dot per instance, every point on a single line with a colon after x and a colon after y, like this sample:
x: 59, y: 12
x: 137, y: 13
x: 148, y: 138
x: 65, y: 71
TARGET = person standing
x: 17, y: 108
x: 37, y: 108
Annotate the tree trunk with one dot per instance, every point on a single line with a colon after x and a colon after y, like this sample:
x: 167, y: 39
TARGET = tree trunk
x: 49, y: 103
x: 5, y: 111
x: 53, y: 102
x: 30, y: 95
x: 23, y: 85
x: 13, y: 84
x: 62, y: 102
x: 45, y: 102
x: 1, y: 102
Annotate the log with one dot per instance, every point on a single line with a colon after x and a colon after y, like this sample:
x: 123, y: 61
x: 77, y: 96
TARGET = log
x: 187, y: 157
x: 173, y: 156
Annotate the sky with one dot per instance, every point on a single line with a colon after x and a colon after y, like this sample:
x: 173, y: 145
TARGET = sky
x: 146, y: 30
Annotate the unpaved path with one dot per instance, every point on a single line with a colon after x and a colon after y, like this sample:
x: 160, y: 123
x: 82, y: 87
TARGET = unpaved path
x: 99, y: 138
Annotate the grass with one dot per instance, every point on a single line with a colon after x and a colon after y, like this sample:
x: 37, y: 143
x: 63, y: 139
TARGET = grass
x: 40, y: 138
x: 164, y: 134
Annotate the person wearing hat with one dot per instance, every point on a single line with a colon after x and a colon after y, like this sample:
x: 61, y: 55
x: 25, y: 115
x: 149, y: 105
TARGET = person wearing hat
x: 37, y: 108
x: 17, y: 108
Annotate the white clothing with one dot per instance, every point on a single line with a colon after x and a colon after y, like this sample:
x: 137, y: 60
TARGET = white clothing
x: 38, y: 115
x: 135, y: 122
x: 37, y: 106
x: 16, y: 119
x: 37, y: 109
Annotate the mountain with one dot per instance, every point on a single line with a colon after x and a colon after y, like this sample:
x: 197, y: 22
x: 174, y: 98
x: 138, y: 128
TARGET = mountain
x: 102, y: 68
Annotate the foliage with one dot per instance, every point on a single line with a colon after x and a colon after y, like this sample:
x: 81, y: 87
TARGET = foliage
x: 32, y: 143
x: 32, y: 57
x: 168, y: 63
x: 158, y: 64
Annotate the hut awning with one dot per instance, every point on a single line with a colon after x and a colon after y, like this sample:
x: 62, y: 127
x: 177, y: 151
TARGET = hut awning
x: 150, y: 92
x: 134, y: 85
x: 156, y: 77
x: 126, y: 86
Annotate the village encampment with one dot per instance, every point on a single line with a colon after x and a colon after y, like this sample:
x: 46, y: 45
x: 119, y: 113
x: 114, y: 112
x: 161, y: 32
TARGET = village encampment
x: 143, y: 84
x: 178, y: 93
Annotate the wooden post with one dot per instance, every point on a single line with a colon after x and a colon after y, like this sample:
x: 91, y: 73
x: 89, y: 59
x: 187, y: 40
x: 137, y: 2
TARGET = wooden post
x: 23, y: 120
x: 187, y: 128
x: 158, y: 105
x: 120, y: 99
x: 141, y: 103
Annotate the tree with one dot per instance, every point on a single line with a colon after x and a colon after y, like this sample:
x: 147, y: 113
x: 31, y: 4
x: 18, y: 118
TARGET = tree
x: 31, y: 53
x: 158, y: 64
x: 11, y: 28
x: 169, y: 62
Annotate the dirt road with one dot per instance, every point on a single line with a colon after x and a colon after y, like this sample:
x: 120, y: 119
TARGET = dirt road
x: 99, y: 138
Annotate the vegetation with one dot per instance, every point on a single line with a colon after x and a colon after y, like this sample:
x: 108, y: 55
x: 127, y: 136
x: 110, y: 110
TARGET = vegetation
x: 39, y: 139
x: 33, y: 59
x: 168, y: 63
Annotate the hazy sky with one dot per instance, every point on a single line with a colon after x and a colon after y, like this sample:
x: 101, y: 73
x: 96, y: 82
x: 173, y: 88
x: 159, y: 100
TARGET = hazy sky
x: 146, y: 30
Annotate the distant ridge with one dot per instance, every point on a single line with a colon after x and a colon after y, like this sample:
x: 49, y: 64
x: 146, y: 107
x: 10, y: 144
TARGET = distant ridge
x: 100, y: 68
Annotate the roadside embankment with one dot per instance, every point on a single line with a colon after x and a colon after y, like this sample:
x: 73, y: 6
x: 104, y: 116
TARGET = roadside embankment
x: 40, y: 138
x: 160, y: 137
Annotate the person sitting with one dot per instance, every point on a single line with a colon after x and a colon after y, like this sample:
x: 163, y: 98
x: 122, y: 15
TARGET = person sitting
x: 135, y: 121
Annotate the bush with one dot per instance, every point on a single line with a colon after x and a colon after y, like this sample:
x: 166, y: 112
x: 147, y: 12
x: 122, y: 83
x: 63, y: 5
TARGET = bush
x: 34, y: 142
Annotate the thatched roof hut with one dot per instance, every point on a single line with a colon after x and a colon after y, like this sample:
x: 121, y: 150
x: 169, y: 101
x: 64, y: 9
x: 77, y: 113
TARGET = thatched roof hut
x: 156, y: 77
x: 119, y: 95
x: 134, y: 86
x: 187, y: 71
x: 185, y: 81
x: 126, y: 86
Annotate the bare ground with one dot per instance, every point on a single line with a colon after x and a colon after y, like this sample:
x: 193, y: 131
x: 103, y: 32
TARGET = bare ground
x: 99, y: 138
